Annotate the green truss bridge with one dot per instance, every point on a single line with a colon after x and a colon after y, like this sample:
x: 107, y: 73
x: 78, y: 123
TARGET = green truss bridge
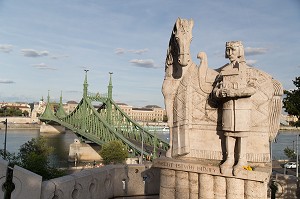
x: 104, y: 124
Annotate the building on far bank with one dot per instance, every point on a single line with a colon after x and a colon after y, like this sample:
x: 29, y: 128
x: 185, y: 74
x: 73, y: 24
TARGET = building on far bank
x: 23, y: 106
x: 289, y: 118
x: 70, y: 106
x: 39, y: 107
x: 149, y: 113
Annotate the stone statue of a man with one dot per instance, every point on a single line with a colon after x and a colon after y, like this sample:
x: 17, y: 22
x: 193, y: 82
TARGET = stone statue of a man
x: 233, y: 90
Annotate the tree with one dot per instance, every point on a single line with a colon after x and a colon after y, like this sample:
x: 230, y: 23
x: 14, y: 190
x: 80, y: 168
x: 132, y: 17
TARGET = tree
x: 290, y: 153
x: 113, y: 152
x: 291, y: 103
x: 33, y: 156
x: 25, y: 113
x: 165, y: 118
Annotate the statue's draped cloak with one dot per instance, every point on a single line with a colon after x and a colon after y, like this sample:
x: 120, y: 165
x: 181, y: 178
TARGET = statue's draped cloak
x: 195, y: 113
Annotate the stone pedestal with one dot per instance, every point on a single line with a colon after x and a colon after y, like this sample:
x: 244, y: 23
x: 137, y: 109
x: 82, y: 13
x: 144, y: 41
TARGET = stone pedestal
x: 189, y: 179
x: 82, y: 152
x: 46, y: 128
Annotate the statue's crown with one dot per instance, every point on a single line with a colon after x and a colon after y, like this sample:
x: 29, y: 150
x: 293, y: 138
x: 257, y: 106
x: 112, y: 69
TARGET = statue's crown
x: 231, y: 44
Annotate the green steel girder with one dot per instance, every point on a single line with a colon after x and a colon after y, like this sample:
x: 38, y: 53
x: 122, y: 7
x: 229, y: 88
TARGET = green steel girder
x: 108, y: 123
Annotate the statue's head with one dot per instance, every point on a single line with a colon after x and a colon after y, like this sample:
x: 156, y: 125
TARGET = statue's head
x: 235, y: 51
x: 182, y: 37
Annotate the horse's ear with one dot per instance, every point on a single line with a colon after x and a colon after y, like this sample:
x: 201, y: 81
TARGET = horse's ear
x: 178, y: 21
x: 191, y: 23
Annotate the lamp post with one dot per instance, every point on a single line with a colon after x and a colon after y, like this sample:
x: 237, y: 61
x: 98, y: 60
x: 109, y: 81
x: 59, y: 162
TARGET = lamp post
x: 142, y: 145
x: 5, y: 136
x: 297, y: 159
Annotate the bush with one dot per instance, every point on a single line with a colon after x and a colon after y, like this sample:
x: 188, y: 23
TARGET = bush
x: 113, y: 152
x: 290, y: 153
x: 33, y: 156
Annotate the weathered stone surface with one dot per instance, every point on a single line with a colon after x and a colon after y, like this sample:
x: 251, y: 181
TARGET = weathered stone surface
x: 27, y: 184
x: 234, y: 188
x: 209, y: 167
x: 220, y: 187
x: 193, y: 185
x: 167, y: 184
x: 3, y: 171
x: 221, y: 122
x: 199, y: 103
x: 206, y: 186
x: 181, y: 185
x: 255, y: 190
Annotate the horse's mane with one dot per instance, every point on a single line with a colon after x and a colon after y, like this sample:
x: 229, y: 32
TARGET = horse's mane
x: 170, y: 53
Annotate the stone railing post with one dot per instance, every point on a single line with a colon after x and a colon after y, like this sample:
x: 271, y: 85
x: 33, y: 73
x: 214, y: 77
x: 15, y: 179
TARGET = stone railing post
x: 3, y: 171
x: 27, y: 184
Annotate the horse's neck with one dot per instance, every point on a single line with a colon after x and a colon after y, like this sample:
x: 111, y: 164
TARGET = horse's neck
x: 179, y: 71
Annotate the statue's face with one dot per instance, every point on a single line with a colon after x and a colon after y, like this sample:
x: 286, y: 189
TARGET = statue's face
x: 232, y: 53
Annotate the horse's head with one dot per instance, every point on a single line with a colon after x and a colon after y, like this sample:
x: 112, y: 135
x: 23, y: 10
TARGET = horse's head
x: 178, y: 54
x: 181, y: 39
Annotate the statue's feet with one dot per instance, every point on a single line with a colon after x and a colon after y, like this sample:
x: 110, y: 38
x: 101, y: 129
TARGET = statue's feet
x: 169, y: 153
x: 239, y: 167
x: 226, y: 167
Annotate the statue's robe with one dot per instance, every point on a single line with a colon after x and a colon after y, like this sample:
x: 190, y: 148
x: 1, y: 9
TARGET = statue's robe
x: 197, y: 118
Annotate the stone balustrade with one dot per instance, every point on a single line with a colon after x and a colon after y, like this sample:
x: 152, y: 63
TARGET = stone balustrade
x: 105, y: 182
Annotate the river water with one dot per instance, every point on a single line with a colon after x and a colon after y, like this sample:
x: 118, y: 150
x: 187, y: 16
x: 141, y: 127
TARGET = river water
x: 60, y: 142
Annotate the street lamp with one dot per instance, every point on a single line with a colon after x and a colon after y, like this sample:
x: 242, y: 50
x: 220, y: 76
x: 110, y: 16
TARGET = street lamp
x: 5, y: 136
x: 297, y: 159
x: 142, y: 145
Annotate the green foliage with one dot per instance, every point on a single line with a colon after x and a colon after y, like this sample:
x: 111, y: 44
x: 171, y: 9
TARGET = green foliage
x: 10, y: 112
x: 165, y: 118
x: 290, y: 153
x: 26, y: 113
x: 33, y: 156
x: 291, y: 102
x: 12, y: 158
x: 113, y: 152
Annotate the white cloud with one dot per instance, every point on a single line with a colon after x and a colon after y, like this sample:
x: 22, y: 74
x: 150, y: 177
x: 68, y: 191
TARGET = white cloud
x: 5, y: 81
x: 7, y: 48
x: 59, y: 56
x: 120, y: 51
x: 251, y: 61
x: 147, y: 63
x: 43, y: 66
x: 255, y: 51
x: 34, y: 53
x: 140, y: 51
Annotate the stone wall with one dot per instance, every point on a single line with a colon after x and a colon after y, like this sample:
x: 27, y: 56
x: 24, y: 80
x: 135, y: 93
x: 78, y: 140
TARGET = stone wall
x: 105, y: 182
x: 20, y: 120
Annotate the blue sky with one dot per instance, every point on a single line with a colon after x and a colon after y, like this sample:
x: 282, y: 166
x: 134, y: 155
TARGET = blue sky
x: 47, y: 44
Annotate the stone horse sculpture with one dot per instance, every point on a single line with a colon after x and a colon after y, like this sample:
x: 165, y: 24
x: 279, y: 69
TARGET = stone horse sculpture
x: 195, y: 116
x: 180, y: 71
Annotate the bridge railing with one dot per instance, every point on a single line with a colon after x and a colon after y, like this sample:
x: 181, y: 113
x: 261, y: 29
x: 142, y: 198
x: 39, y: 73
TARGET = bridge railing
x: 105, y: 182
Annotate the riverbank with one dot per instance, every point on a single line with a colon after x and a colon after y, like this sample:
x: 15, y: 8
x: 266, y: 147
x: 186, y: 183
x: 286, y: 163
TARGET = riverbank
x: 288, y: 128
x: 20, y: 126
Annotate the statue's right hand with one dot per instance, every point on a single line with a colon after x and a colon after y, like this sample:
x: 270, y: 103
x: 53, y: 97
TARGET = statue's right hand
x: 224, y: 92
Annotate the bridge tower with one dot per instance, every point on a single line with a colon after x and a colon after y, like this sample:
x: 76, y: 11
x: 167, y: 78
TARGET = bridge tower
x: 107, y: 123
